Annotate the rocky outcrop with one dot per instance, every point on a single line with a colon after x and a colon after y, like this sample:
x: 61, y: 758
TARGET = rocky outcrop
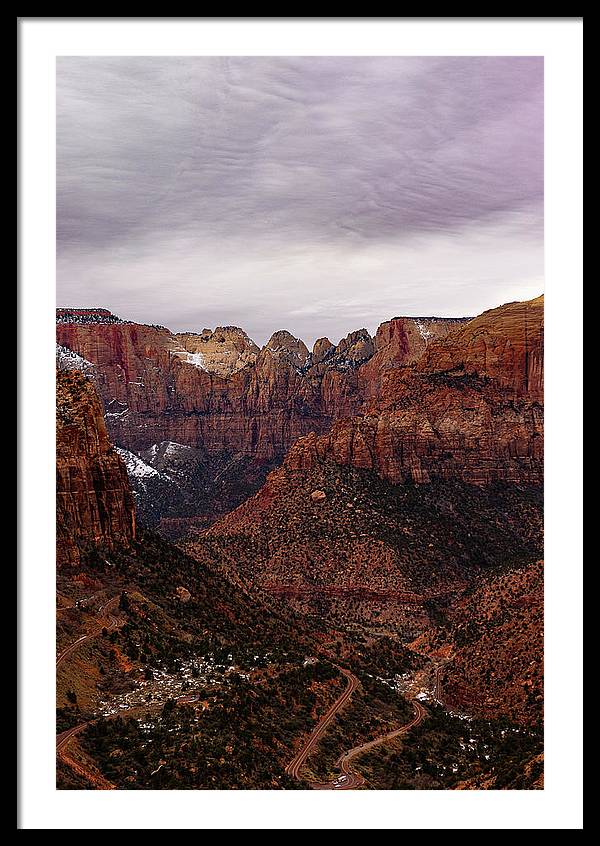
x: 504, y: 345
x: 469, y: 407
x: 320, y: 350
x: 183, y: 594
x: 398, y: 344
x: 217, y: 391
x: 426, y: 398
x: 94, y: 504
x: 402, y: 505
x: 436, y: 439
x: 222, y: 352
x: 286, y: 348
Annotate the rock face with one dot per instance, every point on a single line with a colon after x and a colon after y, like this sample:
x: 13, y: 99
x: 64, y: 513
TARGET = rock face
x: 426, y: 398
x: 218, y: 391
x: 400, y: 342
x: 94, y: 503
x: 469, y: 407
x: 222, y: 352
x: 465, y: 413
x: 504, y: 345
x: 391, y: 520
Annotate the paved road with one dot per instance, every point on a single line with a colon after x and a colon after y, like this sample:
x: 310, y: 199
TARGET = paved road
x: 294, y: 767
x: 350, y: 779
x: 80, y: 603
x: 63, y: 739
x: 109, y: 622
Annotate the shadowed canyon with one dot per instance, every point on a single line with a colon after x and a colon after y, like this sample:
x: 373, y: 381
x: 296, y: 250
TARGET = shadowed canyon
x: 274, y: 560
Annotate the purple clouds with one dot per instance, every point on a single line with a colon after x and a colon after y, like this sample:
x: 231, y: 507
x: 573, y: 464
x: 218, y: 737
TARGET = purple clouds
x: 315, y: 194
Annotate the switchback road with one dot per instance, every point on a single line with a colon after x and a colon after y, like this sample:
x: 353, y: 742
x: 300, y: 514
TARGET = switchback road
x: 350, y: 779
x: 109, y: 622
x: 294, y: 767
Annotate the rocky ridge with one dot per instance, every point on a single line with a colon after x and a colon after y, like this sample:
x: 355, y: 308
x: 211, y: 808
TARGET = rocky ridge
x: 217, y: 392
x: 217, y: 389
x: 469, y: 407
x: 425, y: 398
x: 94, y: 504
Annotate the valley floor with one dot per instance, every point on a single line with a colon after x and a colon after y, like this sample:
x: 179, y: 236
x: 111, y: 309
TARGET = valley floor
x: 153, y: 694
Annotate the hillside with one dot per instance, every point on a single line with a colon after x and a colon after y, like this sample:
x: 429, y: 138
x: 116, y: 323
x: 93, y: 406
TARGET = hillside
x: 393, y: 551
x: 240, y: 408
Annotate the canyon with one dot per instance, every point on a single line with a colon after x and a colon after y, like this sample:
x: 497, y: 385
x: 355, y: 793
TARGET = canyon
x: 375, y: 505
x: 219, y: 391
x: 424, y: 397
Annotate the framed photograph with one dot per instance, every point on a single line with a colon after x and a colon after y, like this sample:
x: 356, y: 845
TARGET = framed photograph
x: 282, y: 337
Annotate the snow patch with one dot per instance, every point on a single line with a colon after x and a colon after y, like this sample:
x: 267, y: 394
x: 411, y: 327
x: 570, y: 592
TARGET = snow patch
x: 196, y: 359
x: 173, y: 448
x: 66, y: 359
x: 136, y: 468
x: 424, y: 332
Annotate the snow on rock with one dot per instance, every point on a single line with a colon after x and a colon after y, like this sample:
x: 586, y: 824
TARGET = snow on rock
x: 66, y: 359
x: 424, y: 331
x: 173, y: 448
x: 197, y: 359
x: 136, y: 468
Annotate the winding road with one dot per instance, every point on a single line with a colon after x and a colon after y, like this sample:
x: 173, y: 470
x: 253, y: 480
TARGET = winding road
x: 348, y: 780
x: 63, y: 739
x: 293, y: 768
x: 106, y: 617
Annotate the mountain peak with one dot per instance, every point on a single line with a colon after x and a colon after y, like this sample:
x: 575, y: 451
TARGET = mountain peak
x: 284, y: 344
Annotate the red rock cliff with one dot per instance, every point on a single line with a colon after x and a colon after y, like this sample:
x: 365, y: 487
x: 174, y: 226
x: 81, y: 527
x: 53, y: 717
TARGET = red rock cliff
x: 217, y: 390
x: 469, y: 407
x: 94, y: 504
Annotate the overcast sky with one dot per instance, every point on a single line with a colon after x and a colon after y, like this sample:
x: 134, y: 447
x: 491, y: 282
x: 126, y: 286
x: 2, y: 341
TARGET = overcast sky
x: 319, y: 195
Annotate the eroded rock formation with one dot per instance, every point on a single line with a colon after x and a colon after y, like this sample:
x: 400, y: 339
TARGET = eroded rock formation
x: 94, y: 503
x: 218, y: 391
x: 469, y: 407
x: 425, y: 398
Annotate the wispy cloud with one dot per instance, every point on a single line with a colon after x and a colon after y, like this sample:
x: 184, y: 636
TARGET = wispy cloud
x: 316, y: 194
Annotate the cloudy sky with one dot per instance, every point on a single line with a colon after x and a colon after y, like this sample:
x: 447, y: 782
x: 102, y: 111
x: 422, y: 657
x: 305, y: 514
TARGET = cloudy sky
x: 318, y: 195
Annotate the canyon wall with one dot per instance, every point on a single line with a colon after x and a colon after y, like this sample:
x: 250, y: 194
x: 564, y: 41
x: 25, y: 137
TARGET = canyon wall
x: 94, y: 503
x: 426, y: 398
x: 469, y: 407
x: 386, y: 518
x: 218, y: 391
